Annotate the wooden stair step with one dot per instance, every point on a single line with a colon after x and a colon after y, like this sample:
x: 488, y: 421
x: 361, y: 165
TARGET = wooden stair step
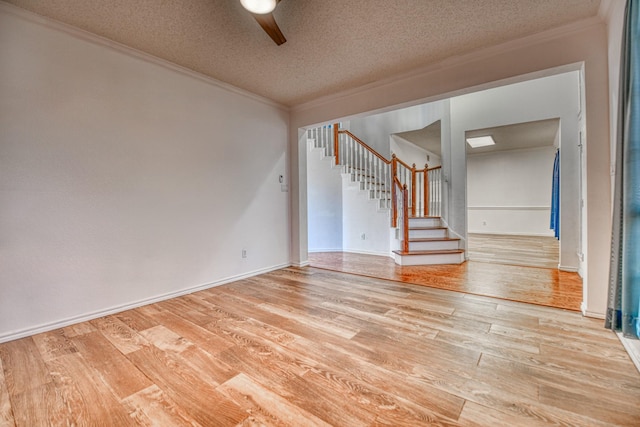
x: 435, y: 252
x: 434, y: 239
x: 428, y: 228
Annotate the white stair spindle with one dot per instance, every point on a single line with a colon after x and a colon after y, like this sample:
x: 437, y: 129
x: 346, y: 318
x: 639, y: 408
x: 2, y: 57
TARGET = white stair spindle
x: 367, y: 166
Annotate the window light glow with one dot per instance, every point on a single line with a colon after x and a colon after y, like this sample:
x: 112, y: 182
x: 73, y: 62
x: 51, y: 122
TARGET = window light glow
x: 260, y: 7
x: 481, y: 141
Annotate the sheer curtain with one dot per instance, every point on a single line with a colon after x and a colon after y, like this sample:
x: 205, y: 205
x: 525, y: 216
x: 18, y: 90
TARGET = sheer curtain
x: 624, y: 284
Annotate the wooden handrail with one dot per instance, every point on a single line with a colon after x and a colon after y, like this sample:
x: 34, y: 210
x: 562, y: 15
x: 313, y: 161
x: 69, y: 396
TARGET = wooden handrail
x: 359, y: 141
x: 404, y: 164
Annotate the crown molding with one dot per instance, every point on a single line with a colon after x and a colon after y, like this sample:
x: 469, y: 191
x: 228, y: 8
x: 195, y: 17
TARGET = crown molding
x: 459, y: 60
x: 605, y: 9
x: 95, y: 39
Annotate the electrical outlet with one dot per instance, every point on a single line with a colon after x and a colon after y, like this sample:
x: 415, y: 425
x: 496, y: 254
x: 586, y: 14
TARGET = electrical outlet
x: 363, y: 236
x: 484, y: 222
x: 244, y: 253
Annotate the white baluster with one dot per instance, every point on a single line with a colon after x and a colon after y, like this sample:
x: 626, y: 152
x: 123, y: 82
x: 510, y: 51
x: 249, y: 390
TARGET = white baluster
x: 378, y: 175
x: 360, y: 154
x: 349, y: 156
x: 357, y: 163
x: 369, y: 169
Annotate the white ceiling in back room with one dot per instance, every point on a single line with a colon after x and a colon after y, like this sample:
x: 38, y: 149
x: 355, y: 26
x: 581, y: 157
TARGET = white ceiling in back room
x: 518, y: 136
x: 332, y: 45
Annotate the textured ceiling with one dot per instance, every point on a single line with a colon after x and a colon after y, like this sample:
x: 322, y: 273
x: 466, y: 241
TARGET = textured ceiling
x: 331, y: 45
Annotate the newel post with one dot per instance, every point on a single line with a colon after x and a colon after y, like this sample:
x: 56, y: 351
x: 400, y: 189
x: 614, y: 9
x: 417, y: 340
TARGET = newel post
x: 413, y: 190
x: 394, y: 200
x: 405, y: 219
x: 426, y: 190
x: 336, y: 150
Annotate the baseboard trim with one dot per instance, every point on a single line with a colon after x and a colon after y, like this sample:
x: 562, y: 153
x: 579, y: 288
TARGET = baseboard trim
x: 312, y: 251
x: 633, y: 349
x: 505, y: 233
x: 592, y: 314
x: 568, y: 269
x: 300, y: 264
x: 364, y: 252
x: 46, y: 327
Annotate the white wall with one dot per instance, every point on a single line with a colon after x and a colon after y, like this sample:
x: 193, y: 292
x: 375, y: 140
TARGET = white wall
x: 325, y: 202
x: 569, y: 48
x: 362, y: 218
x: 340, y: 213
x: 555, y: 96
x: 122, y: 180
x: 411, y: 153
x: 509, y: 192
x: 615, y: 23
x: 376, y: 129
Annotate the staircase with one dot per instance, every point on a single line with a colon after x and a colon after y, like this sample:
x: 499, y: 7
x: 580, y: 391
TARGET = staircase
x: 413, y: 196
x: 429, y: 243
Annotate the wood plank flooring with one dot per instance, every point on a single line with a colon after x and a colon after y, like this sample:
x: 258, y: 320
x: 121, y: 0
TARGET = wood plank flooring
x: 531, y: 251
x: 311, y: 347
x: 549, y: 287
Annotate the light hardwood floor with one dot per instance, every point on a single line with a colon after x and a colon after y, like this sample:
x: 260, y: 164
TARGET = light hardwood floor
x: 531, y: 251
x: 310, y: 347
x: 543, y: 286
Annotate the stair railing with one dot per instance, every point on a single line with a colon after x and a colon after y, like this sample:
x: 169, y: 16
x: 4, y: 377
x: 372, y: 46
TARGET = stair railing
x: 368, y: 166
x: 433, y: 191
x: 400, y: 212
x: 387, y: 180
x: 407, y: 176
x: 426, y: 192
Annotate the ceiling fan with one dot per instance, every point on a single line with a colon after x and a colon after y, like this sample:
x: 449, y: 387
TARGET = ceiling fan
x: 262, y: 12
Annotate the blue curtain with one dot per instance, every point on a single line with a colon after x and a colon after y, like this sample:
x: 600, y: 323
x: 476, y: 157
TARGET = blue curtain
x: 624, y: 284
x: 555, y: 197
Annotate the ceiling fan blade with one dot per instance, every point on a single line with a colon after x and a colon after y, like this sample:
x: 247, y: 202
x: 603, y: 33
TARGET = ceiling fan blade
x: 268, y: 24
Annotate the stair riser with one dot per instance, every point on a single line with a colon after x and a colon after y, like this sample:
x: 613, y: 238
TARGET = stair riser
x: 437, y: 233
x: 429, y: 259
x: 378, y: 194
x: 433, y: 246
x: 377, y: 189
x: 425, y: 222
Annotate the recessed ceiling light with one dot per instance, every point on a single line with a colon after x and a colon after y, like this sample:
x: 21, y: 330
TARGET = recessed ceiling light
x: 481, y: 141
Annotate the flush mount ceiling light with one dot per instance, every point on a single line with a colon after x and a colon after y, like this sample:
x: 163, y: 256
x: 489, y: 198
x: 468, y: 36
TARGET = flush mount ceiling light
x: 481, y: 141
x: 260, y: 7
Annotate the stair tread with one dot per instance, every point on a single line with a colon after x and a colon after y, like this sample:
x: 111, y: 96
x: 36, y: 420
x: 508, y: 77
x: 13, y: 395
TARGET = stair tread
x: 434, y: 239
x: 425, y: 217
x: 427, y: 228
x: 433, y: 252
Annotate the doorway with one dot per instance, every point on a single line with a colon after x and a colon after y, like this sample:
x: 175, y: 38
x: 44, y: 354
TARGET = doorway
x: 509, y: 192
